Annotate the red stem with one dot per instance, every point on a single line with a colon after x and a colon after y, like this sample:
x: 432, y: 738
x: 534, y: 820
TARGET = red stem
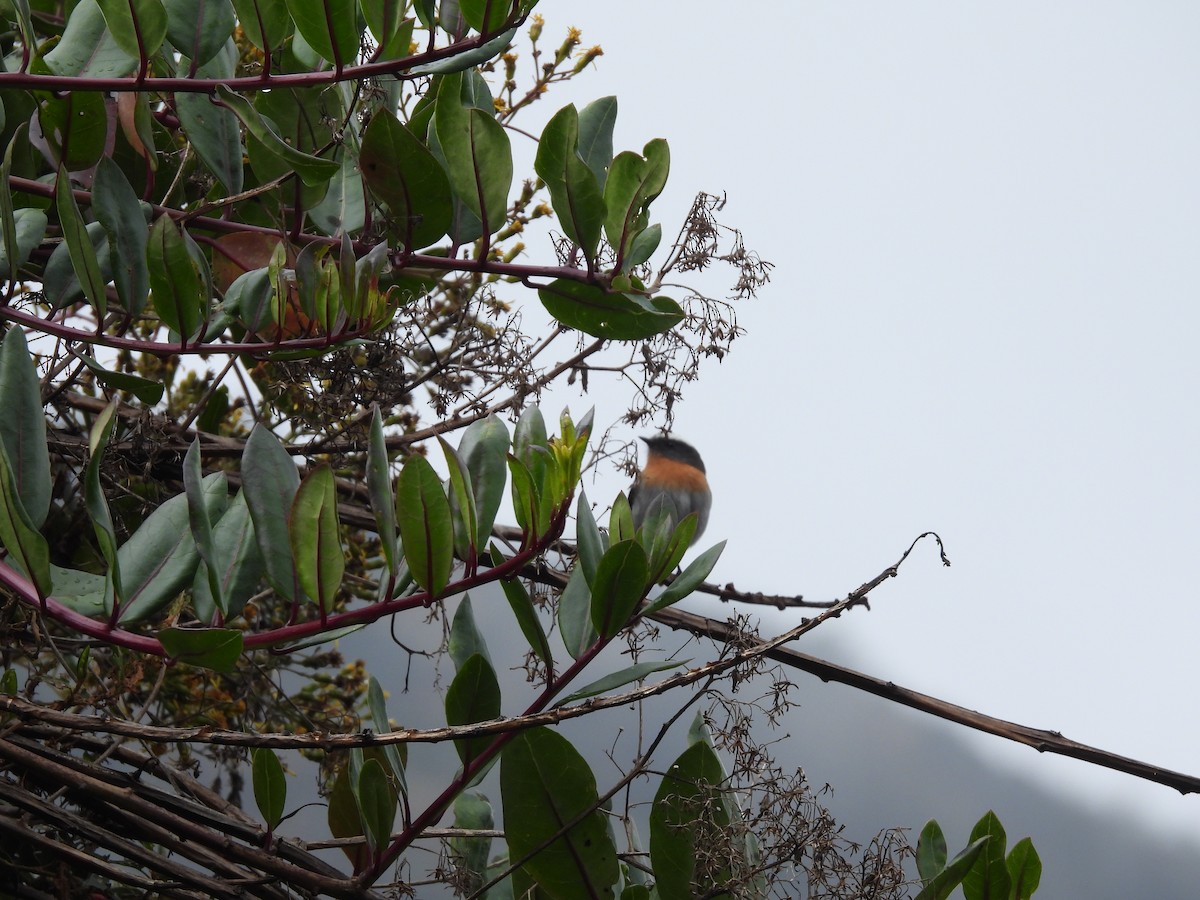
x: 26, y: 592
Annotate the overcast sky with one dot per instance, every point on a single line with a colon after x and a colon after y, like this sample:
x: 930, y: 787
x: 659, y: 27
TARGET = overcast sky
x: 983, y: 320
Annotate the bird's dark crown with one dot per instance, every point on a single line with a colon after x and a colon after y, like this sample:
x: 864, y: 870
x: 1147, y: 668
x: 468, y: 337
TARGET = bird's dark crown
x: 675, y: 449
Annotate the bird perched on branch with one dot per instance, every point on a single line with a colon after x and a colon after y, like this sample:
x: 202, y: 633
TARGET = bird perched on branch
x: 672, y: 480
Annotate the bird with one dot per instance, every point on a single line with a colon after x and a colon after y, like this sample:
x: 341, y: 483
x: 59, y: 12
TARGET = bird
x: 673, y: 480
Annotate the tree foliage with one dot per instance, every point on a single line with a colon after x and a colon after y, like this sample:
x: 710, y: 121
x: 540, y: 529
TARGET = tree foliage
x: 256, y: 255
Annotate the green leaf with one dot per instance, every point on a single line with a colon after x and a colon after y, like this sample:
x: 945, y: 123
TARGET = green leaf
x: 475, y: 92
x: 313, y: 170
x: 473, y: 696
x: 395, y: 754
x: 23, y: 426
x: 478, y: 155
x: 687, y: 805
x: 575, y: 444
x: 931, y: 851
x: 620, y: 521
x: 462, y: 502
x: 24, y: 22
x: 689, y: 579
x: 472, y: 812
x: 118, y: 210
x: 149, y: 392
x: 379, y: 487
x: 97, y: 505
x: 596, y: 121
x: 82, y: 663
x: 302, y: 117
x: 529, y: 434
x: 666, y: 541
x: 11, y: 256
x: 210, y: 648
x: 61, y: 281
x: 944, y: 883
x: 269, y: 483
x: 374, y: 301
x: 239, y: 564
x: 178, y: 289
x: 615, y: 316
x: 484, y: 447
x: 213, y: 130
x: 988, y: 878
x: 465, y: 226
x: 138, y: 26
x: 344, y: 818
x: 402, y: 173
x: 524, y: 499
x: 633, y: 182
x: 574, y: 188
x: 75, y: 127
x: 392, y: 32
x: 519, y: 883
x: 249, y: 300
x: 79, y: 245
x: 199, y: 520
x: 1025, y: 869
x: 29, y: 227
x: 485, y: 16
x: 546, y: 785
x: 527, y: 618
x: 8, y: 683
x: 88, y: 49
x: 426, y: 529
x: 574, y: 614
x: 588, y: 539
x: 267, y: 23
x: 198, y: 29
x: 531, y: 447
x: 26, y: 547
x: 159, y: 560
x: 344, y: 208
x: 699, y: 733
x: 625, y: 676
x: 643, y: 246
x: 465, y: 638
x: 341, y: 274
x: 270, y: 787
x: 467, y: 59
x: 376, y: 804
x: 315, y: 640
x: 316, y: 541
x: 619, y: 585
x: 140, y: 131
x: 83, y: 592
x: 215, y: 412
x: 329, y: 27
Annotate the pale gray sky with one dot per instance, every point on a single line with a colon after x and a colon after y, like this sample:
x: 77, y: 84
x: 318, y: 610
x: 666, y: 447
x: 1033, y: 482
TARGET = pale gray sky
x: 983, y: 320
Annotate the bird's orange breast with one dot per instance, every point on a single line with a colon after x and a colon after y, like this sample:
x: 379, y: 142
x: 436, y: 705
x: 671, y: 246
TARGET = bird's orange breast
x: 668, y: 473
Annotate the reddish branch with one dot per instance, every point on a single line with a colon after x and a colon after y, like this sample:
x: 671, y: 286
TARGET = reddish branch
x: 285, y: 635
x: 397, y: 68
x: 526, y: 274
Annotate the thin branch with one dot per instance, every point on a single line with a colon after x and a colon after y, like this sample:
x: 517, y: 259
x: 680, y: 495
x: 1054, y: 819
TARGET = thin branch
x: 1042, y: 740
x: 397, y: 68
x: 190, y: 830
